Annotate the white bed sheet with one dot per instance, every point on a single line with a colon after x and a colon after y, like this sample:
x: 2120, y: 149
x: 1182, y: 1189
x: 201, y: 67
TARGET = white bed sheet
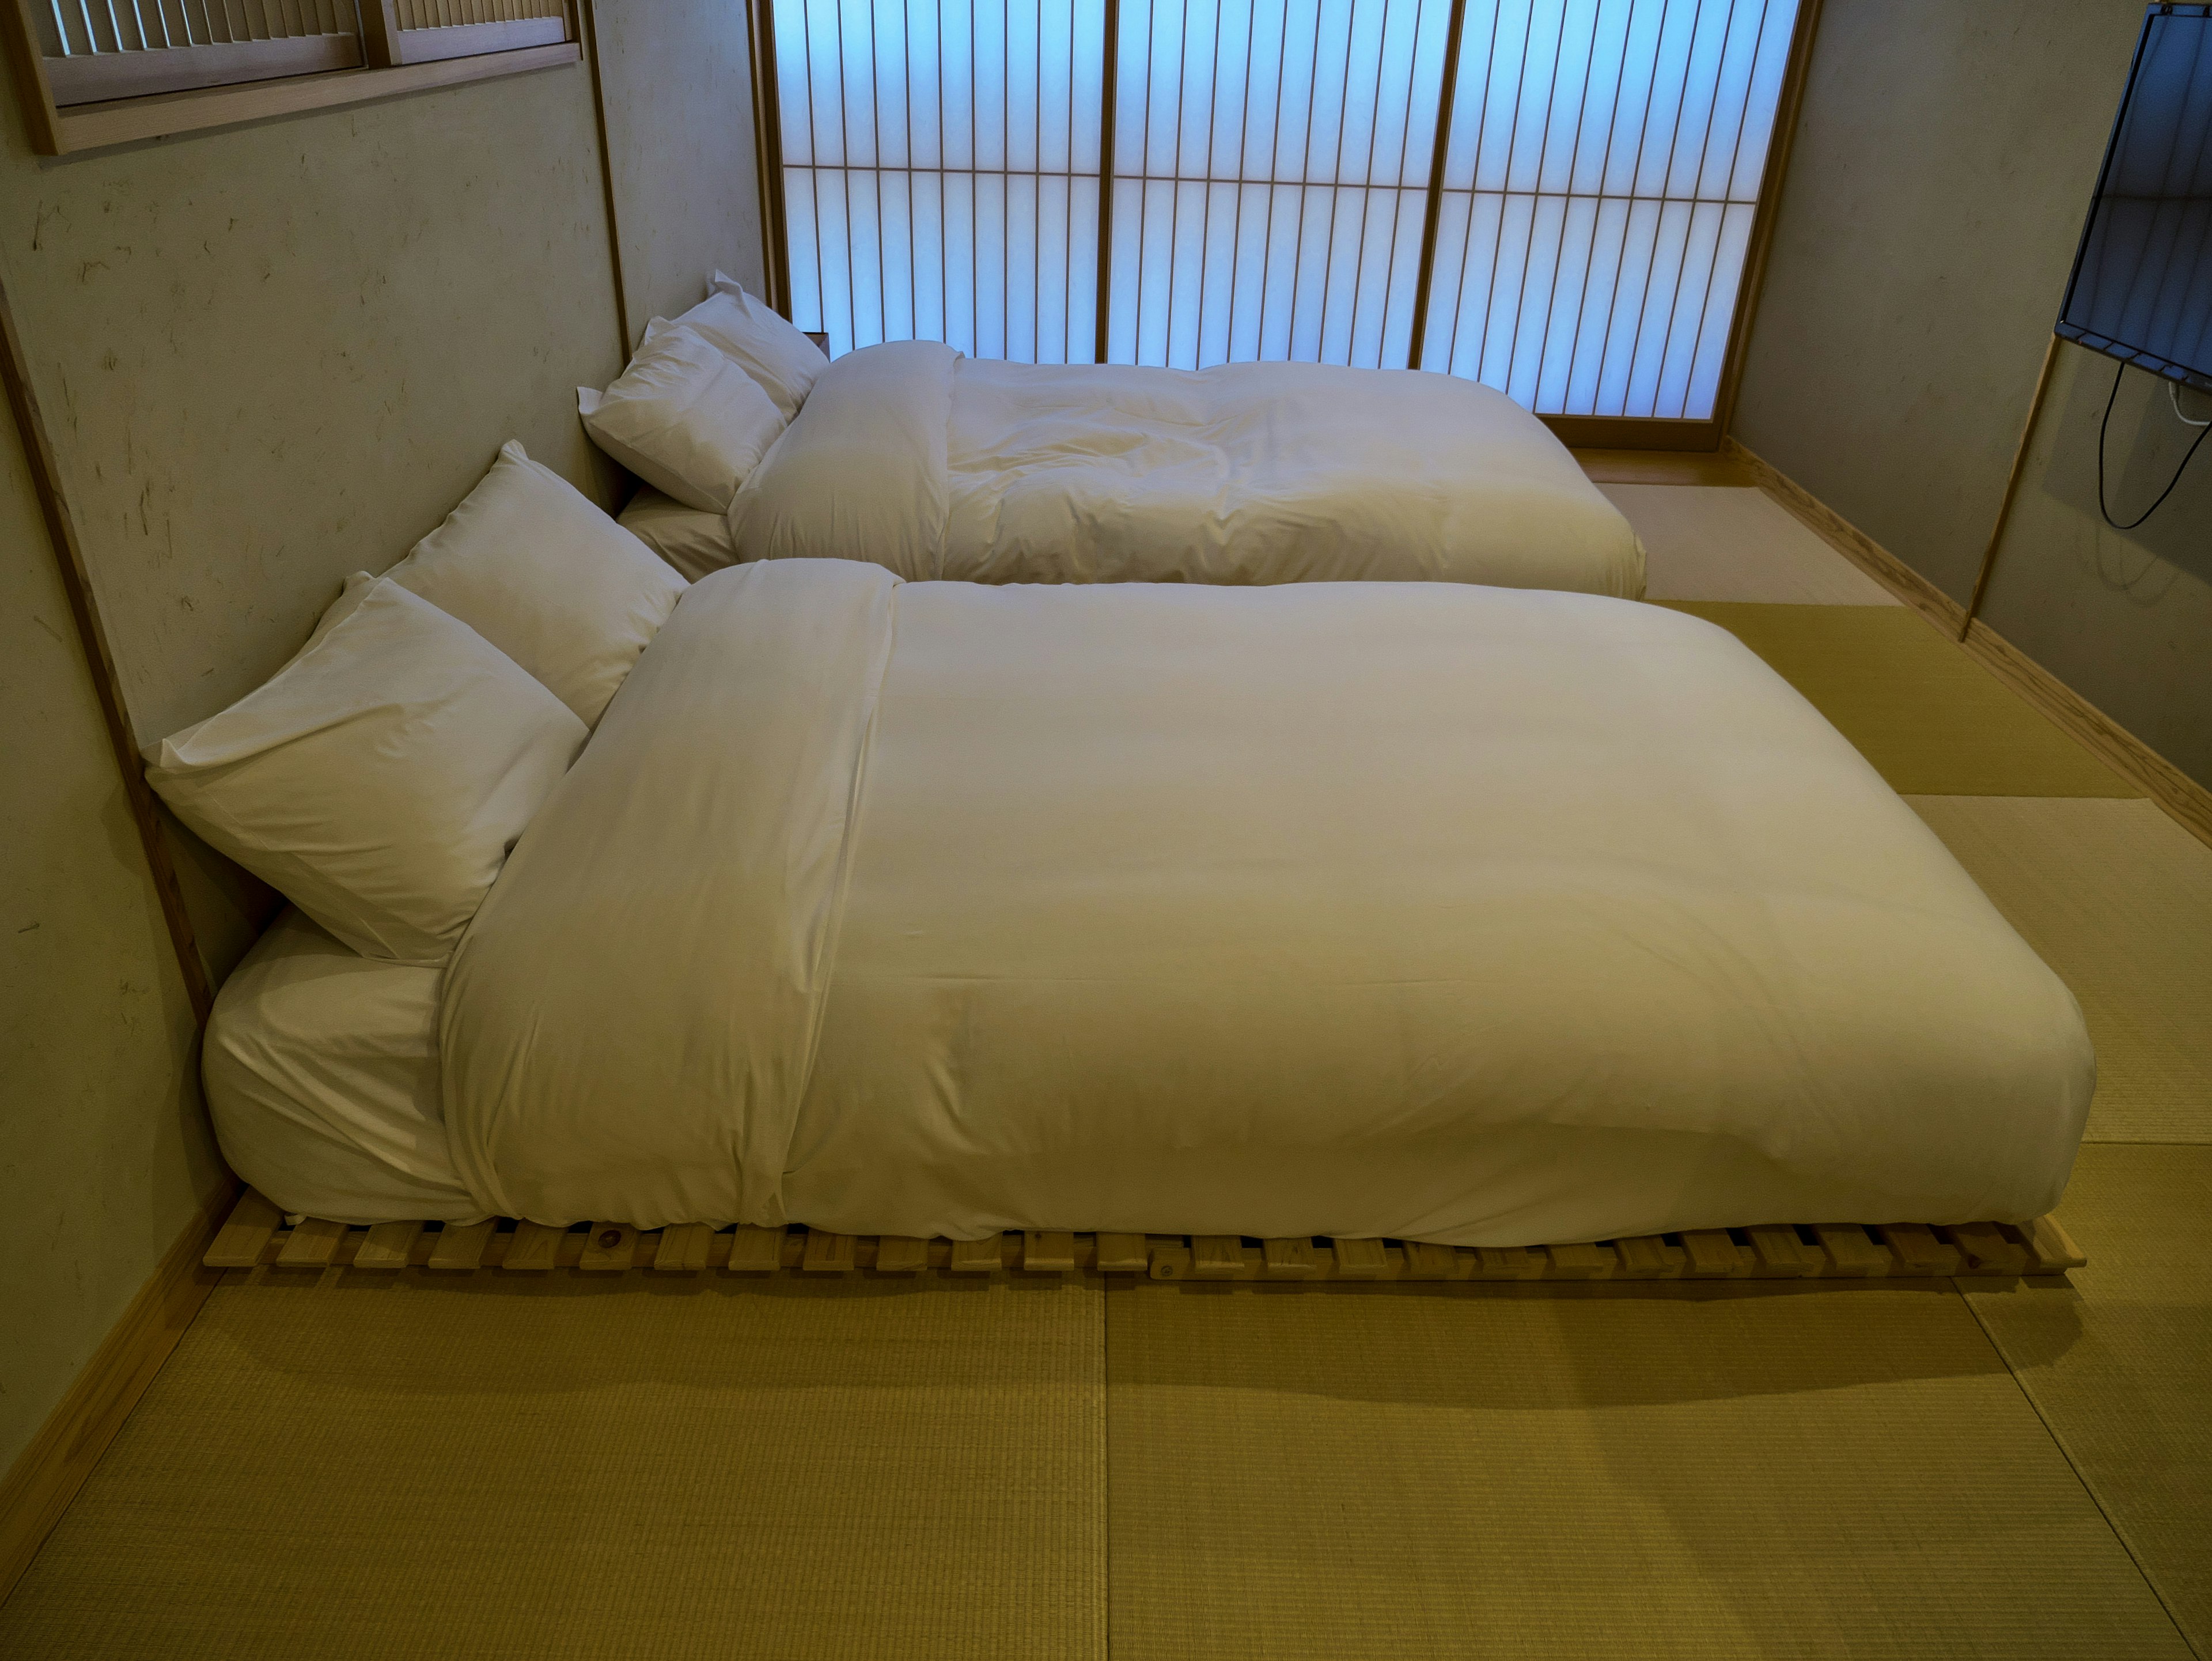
x: 692, y: 540
x: 321, y: 1068
x: 936, y: 465
x: 1454, y: 913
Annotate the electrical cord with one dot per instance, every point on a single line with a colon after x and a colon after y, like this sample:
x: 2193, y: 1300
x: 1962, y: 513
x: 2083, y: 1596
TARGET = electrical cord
x: 2102, y: 426
x: 2173, y: 397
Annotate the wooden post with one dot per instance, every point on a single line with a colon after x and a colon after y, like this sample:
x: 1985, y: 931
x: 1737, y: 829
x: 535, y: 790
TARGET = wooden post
x: 92, y: 634
x: 1432, y: 214
x: 1110, y: 92
x: 588, y: 27
x: 2011, y: 488
x: 768, y: 156
x: 379, y: 32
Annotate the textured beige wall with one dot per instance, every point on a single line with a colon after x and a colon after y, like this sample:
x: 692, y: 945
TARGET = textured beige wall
x: 1945, y: 159
x: 278, y: 354
x: 105, y: 1153
x: 270, y: 356
x: 678, y: 80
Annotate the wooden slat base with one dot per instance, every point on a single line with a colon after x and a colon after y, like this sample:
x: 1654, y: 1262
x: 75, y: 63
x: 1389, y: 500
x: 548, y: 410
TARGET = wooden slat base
x: 256, y: 1238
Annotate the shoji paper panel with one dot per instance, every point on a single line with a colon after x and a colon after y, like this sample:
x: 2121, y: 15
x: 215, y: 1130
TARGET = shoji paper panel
x: 941, y: 172
x: 1271, y: 170
x: 1598, y: 194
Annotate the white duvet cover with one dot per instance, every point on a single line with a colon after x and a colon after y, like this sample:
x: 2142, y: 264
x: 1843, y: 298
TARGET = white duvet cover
x: 932, y: 464
x: 1455, y: 913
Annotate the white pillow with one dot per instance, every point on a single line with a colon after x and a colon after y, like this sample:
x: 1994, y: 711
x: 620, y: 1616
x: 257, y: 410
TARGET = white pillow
x: 694, y: 543
x: 532, y: 565
x: 765, y: 346
x: 378, y: 778
x: 684, y: 417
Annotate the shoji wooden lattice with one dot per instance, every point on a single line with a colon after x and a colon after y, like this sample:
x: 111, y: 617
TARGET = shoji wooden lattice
x: 426, y: 31
x: 100, y: 50
x: 1560, y: 199
x: 97, y: 50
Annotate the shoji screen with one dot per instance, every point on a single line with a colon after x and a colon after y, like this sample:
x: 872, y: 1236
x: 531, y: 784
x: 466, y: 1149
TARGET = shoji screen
x: 1598, y: 190
x: 1270, y: 173
x: 1591, y: 167
x: 941, y: 172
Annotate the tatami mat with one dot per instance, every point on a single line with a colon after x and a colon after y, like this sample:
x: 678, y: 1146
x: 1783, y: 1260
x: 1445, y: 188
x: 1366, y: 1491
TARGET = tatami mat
x: 2117, y: 898
x: 1704, y: 542
x: 1933, y: 721
x: 598, y: 1469
x: 2120, y: 1361
x: 1680, y: 1472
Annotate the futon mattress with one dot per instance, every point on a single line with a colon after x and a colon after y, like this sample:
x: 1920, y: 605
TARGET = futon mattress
x: 1445, y: 912
x: 936, y: 465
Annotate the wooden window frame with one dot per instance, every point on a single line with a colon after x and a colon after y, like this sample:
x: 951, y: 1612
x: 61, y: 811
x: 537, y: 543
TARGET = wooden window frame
x: 252, y: 81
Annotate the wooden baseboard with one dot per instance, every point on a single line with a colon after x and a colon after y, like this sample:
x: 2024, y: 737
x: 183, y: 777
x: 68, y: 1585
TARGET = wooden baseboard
x: 46, y: 1476
x: 2187, y: 802
x: 1632, y: 433
x: 1708, y: 467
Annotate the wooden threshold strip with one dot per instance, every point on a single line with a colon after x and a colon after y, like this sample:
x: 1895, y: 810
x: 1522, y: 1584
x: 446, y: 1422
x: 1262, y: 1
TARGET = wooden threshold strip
x: 256, y: 1238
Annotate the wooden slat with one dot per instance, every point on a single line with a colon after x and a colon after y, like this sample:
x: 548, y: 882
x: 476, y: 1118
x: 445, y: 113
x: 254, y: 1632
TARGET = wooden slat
x: 239, y: 1242
x: 1583, y: 1261
x: 756, y: 1250
x: 1987, y: 1251
x: 1851, y: 1249
x: 983, y: 1256
x: 1427, y: 1261
x: 901, y: 1254
x: 1917, y: 1250
x: 386, y: 1246
x: 1711, y: 1252
x: 1216, y: 1256
x: 1775, y: 1252
x: 608, y: 1248
x: 1361, y: 1260
x: 461, y: 1247
x: 1049, y: 1251
x: 2052, y: 1249
x: 534, y: 1248
x: 1649, y: 1257
x: 1123, y: 1254
x: 683, y: 1249
x: 311, y: 1243
x: 1781, y: 1254
x: 1508, y: 1263
x: 1290, y: 1259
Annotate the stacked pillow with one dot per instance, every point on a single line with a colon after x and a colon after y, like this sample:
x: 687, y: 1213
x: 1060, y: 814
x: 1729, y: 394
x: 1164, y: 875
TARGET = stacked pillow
x: 685, y: 418
x: 699, y: 406
x: 531, y: 563
x: 380, y: 777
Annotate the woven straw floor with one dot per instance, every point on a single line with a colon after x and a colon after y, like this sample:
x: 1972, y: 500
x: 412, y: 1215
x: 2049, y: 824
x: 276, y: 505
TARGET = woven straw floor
x: 599, y: 1468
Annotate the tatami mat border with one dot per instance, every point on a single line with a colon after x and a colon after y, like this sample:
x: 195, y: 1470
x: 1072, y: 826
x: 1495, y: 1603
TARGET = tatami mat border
x: 256, y: 1237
